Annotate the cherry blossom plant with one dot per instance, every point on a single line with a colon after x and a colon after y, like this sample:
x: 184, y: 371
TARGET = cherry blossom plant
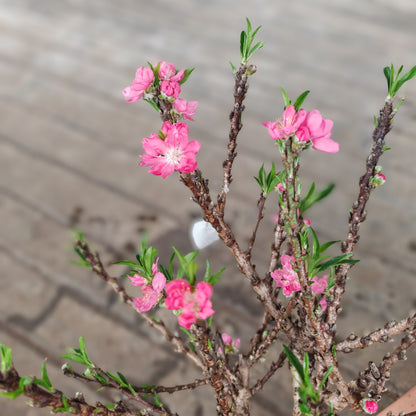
x: 298, y: 326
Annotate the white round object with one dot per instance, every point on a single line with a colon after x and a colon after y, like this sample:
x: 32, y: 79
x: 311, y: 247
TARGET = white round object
x: 203, y: 234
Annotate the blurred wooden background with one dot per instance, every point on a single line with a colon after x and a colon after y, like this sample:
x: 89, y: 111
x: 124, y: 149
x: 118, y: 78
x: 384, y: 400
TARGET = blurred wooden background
x: 69, y: 148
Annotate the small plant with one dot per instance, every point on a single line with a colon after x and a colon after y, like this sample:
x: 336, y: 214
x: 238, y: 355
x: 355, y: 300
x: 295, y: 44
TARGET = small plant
x: 300, y: 289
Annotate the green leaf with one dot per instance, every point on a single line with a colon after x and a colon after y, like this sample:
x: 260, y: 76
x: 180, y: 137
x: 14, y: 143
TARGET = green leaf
x: 100, y: 378
x: 153, y: 104
x: 187, y: 333
x: 403, y: 79
x: 186, y: 75
x: 312, y: 197
x: 158, y: 403
x: 306, y: 367
x: 304, y: 408
x: 299, y: 101
x: 294, y: 361
x: 325, y: 246
x: 285, y: 98
x: 78, y: 358
x: 12, y: 394
x: 65, y: 408
x: 6, y: 358
x: 385, y: 148
x: 44, y: 382
x: 128, y: 263
x: 84, y: 351
x: 336, y: 261
x: 316, y: 249
x: 387, y: 74
x: 324, y: 378
x: 234, y: 69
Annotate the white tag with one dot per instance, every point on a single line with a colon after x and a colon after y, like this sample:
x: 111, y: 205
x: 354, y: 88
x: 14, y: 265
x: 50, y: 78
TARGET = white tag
x: 203, y: 234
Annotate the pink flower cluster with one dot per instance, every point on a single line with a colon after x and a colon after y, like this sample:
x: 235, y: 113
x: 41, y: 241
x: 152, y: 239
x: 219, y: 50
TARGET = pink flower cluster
x: 306, y: 126
x: 193, y: 303
x: 286, y: 277
x: 151, y: 293
x: 318, y: 287
x: 231, y: 347
x: 170, y: 152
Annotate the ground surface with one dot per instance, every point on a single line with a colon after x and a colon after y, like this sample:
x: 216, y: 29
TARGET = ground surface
x: 69, y: 149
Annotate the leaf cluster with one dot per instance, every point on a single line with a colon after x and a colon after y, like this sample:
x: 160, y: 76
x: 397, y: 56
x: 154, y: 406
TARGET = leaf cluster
x: 315, y: 261
x: 395, y: 81
x: 306, y: 389
x: 268, y: 181
x: 313, y: 197
x: 25, y: 381
x: 298, y: 102
x: 246, y: 40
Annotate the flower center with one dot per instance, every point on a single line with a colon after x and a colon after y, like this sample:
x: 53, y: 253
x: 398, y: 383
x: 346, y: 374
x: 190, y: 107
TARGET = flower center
x: 174, y: 155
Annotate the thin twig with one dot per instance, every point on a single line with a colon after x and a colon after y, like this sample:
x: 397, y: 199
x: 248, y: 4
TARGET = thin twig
x: 240, y: 90
x: 260, y: 215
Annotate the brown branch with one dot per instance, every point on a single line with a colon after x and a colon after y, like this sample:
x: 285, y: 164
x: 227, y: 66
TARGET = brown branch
x: 358, y: 213
x: 97, y: 267
x: 140, y: 389
x: 380, y: 335
x: 279, y: 238
x: 39, y: 397
x: 240, y: 90
x: 260, y: 215
x: 374, y: 378
x: 273, y: 368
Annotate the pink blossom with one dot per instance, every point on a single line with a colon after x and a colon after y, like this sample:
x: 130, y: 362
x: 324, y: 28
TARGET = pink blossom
x: 192, y: 303
x: 151, y: 294
x: 168, y: 72
x: 186, y: 109
x: 307, y: 126
x: 230, y: 346
x: 289, y: 124
x: 138, y: 280
x: 286, y: 277
x: 319, y: 286
x: 280, y: 187
x: 170, y: 88
x: 307, y: 222
x: 369, y: 406
x: 144, y: 78
x: 323, y: 303
x: 320, y: 131
x: 174, y: 152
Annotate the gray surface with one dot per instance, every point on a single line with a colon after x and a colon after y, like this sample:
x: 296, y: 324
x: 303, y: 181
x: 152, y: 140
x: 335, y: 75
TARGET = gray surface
x: 69, y: 149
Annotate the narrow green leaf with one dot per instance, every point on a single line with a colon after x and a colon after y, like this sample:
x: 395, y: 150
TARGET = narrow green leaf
x: 84, y: 351
x: 100, y: 378
x: 153, y: 104
x: 306, y: 367
x: 387, y: 74
x: 256, y: 47
x: 45, y: 378
x: 299, y: 101
x: 336, y: 261
x: 295, y: 362
x: 285, y: 98
x: 315, y: 244
x: 158, y: 403
x: 325, y: 246
x: 234, y: 69
x: 187, y: 333
x: 243, y: 37
x: 186, y: 75
x: 12, y: 394
x: 304, y: 408
x: 128, y: 263
x: 6, y: 358
x: 78, y: 358
x: 324, y: 378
